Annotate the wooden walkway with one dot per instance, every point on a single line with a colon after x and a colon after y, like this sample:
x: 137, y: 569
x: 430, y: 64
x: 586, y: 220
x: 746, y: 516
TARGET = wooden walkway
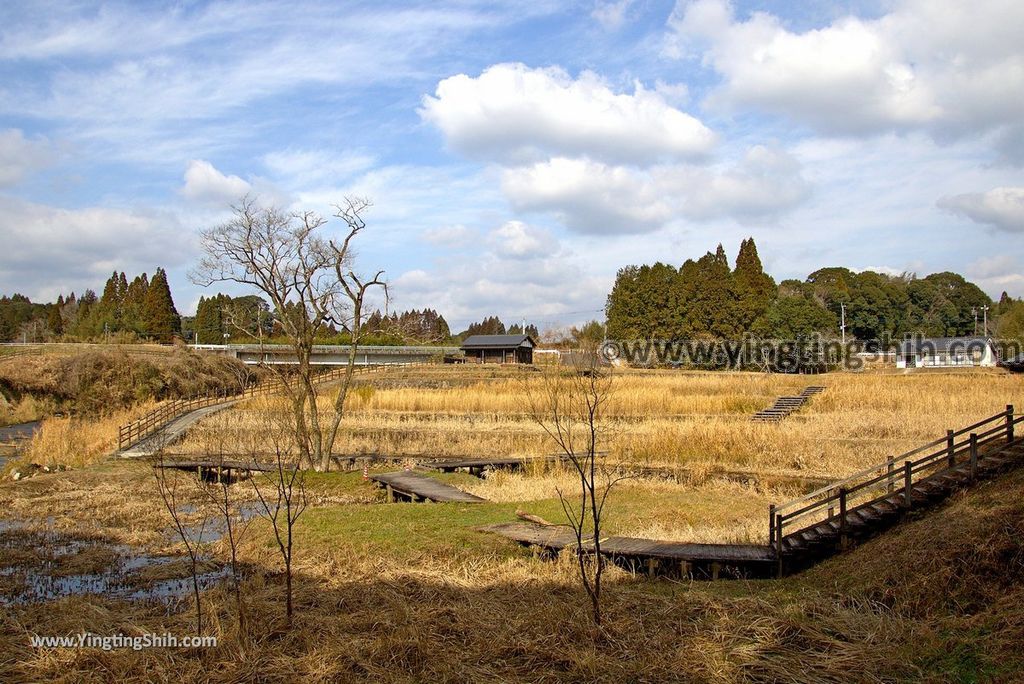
x: 677, y: 559
x: 821, y: 523
x: 171, y: 432
x: 410, y: 486
x: 784, y: 406
x: 477, y: 466
x: 836, y: 517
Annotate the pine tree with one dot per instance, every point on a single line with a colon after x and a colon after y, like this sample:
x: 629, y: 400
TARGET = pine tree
x: 133, y: 303
x: 755, y: 289
x: 54, y: 321
x: 160, y: 318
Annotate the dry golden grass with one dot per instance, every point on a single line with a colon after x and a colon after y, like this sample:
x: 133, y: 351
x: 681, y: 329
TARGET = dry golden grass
x: 938, y: 600
x: 668, y: 418
x: 409, y: 592
x: 76, y: 442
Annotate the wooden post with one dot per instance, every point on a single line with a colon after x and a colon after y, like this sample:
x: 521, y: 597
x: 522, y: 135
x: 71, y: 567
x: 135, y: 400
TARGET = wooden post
x: 842, y: 517
x: 831, y: 508
x: 908, y: 480
x: 715, y: 569
x: 652, y: 566
x: 391, y: 493
x: 771, y: 525
x: 778, y: 542
x: 950, y: 448
x: 1009, y: 423
x: 684, y: 569
x: 974, y: 456
x: 890, y: 468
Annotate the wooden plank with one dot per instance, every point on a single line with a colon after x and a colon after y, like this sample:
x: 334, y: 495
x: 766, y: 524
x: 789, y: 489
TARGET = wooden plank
x: 415, y: 485
x: 560, y: 537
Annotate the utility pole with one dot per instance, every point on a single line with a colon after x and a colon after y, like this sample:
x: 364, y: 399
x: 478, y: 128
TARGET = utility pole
x: 842, y: 325
x: 984, y: 310
x: 974, y: 310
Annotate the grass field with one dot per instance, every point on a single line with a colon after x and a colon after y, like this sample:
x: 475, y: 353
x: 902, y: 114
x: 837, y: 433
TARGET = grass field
x: 413, y: 592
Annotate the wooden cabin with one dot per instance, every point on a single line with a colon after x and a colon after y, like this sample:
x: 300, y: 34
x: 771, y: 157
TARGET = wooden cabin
x: 499, y: 348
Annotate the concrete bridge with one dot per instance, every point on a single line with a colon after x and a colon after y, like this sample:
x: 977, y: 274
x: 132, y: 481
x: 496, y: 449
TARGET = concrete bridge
x: 326, y: 355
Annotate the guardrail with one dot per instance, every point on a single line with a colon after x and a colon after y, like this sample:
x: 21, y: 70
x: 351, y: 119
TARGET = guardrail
x: 151, y: 423
x: 896, y: 475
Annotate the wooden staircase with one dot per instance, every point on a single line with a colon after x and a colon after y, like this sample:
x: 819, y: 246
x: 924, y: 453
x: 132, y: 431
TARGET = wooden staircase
x: 784, y: 406
x: 838, y: 516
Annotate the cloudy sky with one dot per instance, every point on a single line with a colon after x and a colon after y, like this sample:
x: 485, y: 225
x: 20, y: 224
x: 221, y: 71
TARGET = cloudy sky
x: 517, y: 154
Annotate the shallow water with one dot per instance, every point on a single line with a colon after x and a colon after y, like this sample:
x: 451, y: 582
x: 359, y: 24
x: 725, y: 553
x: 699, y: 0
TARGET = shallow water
x: 21, y: 431
x: 13, y: 437
x: 32, y: 565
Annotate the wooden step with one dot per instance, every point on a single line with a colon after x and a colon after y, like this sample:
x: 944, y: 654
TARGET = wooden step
x: 884, y: 508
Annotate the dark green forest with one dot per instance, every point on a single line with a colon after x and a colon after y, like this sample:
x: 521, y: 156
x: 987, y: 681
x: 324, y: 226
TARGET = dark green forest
x: 709, y: 299
x: 141, y: 309
x: 704, y: 299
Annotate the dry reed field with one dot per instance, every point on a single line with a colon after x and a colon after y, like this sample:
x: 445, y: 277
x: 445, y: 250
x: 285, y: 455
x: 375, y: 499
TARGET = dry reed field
x: 413, y: 592
x: 669, y: 418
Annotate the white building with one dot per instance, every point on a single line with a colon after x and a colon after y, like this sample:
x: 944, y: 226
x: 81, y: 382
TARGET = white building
x: 946, y: 352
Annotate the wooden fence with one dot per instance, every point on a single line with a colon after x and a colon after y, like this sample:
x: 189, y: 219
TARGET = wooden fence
x: 898, y: 475
x: 168, y: 411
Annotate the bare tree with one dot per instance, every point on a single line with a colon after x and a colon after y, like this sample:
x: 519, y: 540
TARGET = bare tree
x: 231, y: 513
x: 311, y: 283
x: 568, y: 403
x: 173, y: 487
x: 282, y: 495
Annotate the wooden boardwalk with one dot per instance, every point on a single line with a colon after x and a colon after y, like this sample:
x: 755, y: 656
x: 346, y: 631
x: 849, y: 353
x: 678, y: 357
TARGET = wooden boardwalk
x: 865, y: 504
x: 171, y: 431
x: 784, y: 406
x: 678, y: 559
x: 477, y: 466
x: 823, y: 522
x: 411, y: 486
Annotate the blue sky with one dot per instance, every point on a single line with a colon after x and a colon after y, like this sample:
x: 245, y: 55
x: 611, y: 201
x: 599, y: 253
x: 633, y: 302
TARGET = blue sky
x: 517, y: 154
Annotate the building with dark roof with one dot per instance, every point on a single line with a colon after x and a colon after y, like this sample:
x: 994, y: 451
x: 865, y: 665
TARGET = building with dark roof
x: 499, y: 348
x: 1015, y: 364
x: 946, y: 352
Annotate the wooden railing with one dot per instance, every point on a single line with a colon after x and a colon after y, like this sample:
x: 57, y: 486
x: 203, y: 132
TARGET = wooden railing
x: 168, y: 411
x: 894, y: 476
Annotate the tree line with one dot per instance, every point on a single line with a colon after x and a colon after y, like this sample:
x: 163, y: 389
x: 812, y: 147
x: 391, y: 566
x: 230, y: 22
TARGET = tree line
x: 709, y: 299
x: 140, y: 309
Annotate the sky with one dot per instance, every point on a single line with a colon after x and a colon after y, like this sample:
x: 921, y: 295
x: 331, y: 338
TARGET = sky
x: 516, y: 154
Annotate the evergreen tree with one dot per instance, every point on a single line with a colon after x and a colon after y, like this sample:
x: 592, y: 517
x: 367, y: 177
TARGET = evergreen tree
x: 134, y: 302
x: 160, y: 318
x: 755, y: 289
x: 54, y: 321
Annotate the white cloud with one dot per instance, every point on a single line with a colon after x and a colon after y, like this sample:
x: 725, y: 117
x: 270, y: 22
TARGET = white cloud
x: 80, y: 247
x: 517, y: 240
x: 764, y: 184
x: 448, y: 236
x: 309, y: 168
x: 589, y: 197
x: 994, y: 267
x: 204, y: 183
x: 192, y: 76
x: 512, y: 113
x: 598, y: 199
x: 540, y: 284
x: 1001, y: 207
x: 611, y: 14
x: 996, y: 274
x: 948, y: 67
x: 20, y: 156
